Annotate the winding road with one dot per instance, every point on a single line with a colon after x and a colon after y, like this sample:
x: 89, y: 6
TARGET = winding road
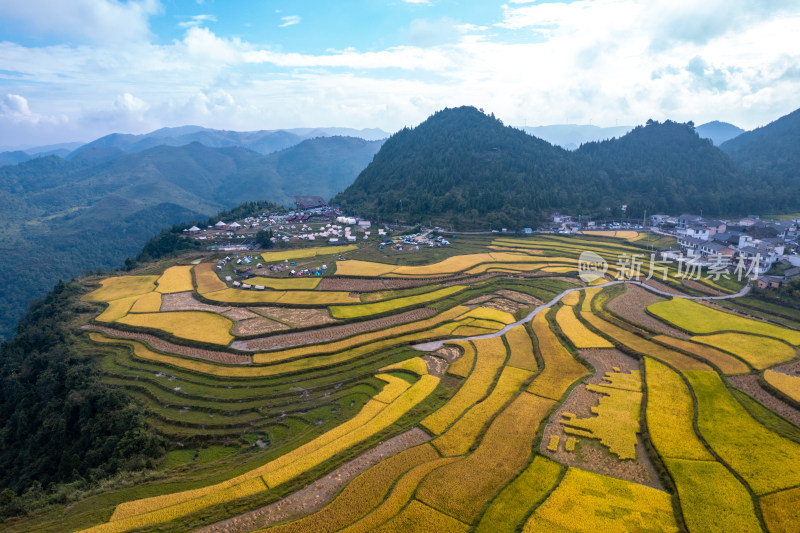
x: 435, y: 345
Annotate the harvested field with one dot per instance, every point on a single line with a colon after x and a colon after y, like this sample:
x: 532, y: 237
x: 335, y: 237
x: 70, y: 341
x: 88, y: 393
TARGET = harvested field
x: 256, y: 326
x: 185, y: 301
x: 590, y: 454
x: 631, y: 305
x: 316, y: 495
x: 750, y: 385
x: 295, y: 317
x: 289, y: 340
x: 239, y: 313
x: 350, y: 285
x: 701, y: 287
x: 520, y: 297
x: 168, y: 347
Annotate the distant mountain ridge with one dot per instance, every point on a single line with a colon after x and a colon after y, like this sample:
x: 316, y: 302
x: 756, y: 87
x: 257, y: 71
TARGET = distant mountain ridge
x: 571, y: 136
x: 262, y: 141
x: 718, y: 132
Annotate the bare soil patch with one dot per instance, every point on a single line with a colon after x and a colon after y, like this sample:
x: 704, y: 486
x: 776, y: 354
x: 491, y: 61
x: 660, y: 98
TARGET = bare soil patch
x: 661, y: 286
x: 449, y: 353
x: 169, y: 347
x: 295, y: 317
x: 185, y: 301
x: 631, y: 305
x: 749, y: 384
x: 318, y: 494
x: 437, y: 366
x: 289, y: 340
x: 589, y: 454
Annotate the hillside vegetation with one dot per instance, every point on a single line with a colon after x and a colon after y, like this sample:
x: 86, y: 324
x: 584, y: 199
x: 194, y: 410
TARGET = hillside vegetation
x: 465, y: 169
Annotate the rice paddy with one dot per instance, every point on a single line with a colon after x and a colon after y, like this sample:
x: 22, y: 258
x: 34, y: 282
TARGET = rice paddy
x: 309, y: 415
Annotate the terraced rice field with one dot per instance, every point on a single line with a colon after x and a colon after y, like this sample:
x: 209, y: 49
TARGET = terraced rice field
x: 294, y: 419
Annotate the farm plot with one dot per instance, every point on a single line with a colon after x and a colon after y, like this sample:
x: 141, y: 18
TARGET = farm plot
x: 490, y: 357
x: 576, y: 332
x: 147, y: 303
x: 175, y: 279
x: 377, y: 308
x: 521, y: 347
x: 361, y: 495
x: 117, y: 309
x: 401, y: 495
x: 318, y: 298
x: 782, y: 510
x: 207, y: 280
x: 760, y: 352
x: 303, y: 253
x: 699, y: 319
x: 285, y: 284
x: 617, y: 422
x: 585, y: 501
x: 192, y: 325
x: 726, y: 363
x: 643, y: 346
x: 560, y: 368
x: 121, y: 287
x: 373, y: 417
x: 789, y: 385
x: 765, y: 460
x: 463, y: 433
x: 461, y: 489
x: 509, y: 509
x: 712, y: 499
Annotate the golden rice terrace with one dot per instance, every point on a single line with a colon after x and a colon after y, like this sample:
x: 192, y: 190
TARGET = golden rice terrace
x: 486, y: 388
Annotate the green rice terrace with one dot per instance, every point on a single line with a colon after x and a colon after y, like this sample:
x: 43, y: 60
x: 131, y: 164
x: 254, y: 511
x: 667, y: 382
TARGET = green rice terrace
x: 478, y: 387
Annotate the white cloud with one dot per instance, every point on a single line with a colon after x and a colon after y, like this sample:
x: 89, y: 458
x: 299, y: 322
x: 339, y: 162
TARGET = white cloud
x: 289, y: 20
x: 197, y: 20
x: 97, y: 21
x: 418, y: 2
x: 590, y: 61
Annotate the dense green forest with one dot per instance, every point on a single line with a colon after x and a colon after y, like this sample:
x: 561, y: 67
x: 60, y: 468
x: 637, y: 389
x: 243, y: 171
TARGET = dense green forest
x: 465, y: 169
x: 62, y: 217
x: 58, y: 422
x: 59, y: 426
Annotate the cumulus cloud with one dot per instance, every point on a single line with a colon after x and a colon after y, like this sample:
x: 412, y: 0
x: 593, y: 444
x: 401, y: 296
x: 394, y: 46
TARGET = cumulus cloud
x: 96, y: 21
x: 588, y: 61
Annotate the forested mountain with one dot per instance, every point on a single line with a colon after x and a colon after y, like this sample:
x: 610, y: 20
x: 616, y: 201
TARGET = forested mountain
x: 62, y: 217
x: 465, y: 169
x: 718, y: 132
x: 770, y: 151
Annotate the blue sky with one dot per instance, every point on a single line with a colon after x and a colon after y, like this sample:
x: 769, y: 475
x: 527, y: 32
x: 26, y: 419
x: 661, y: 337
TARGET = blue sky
x: 80, y: 69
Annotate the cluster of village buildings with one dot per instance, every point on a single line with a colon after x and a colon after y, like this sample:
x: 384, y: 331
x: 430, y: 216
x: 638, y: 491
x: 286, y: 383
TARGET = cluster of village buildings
x: 762, y: 244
